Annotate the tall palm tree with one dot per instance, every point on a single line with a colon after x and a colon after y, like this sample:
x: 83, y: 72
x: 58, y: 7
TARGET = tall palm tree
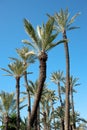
x: 63, y: 24
x: 16, y: 69
x: 42, y: 39
x: 27, y: 57
x: 58, y: 78
x: 7, y: 107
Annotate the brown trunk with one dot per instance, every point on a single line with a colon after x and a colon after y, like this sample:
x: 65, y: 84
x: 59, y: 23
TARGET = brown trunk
x: 73, y: 112
x: 6, y: 121
x: 45, y: 124
x: 28, y: 95
x: 42, y: 77
x: 62, y: 124
x: 67, y: 113
x: 18, y: 101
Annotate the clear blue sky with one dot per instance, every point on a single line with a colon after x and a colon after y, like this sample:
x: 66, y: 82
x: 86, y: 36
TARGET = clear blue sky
x: 12, y: 13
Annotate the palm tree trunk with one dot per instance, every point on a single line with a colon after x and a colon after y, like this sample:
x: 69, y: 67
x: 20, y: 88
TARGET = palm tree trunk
x: 45, y: 124
x: 28, y: 95
x: 61, y: 103
x: 18, y: 101
x: 42, y: 77
x: 67, y: 113
x: 38, y: 118
x: 6, y: 121
x: 73, y: 112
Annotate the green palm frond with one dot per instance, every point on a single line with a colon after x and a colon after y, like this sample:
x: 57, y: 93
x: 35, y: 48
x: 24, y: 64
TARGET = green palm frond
x: 33, y: 87
x: 73, y: 19
x: 8, y: 71
x: 30, y: 30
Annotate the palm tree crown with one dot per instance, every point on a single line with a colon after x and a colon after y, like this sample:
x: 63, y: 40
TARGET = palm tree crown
x: 16, y: 69
x: 42, y: 37
x: 63, y: 22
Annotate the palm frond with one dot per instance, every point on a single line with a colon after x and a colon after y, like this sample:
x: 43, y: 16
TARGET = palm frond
x: 73, y: 19
x: 71, y: 28
x: 30, y: 30
x: 10, y: 73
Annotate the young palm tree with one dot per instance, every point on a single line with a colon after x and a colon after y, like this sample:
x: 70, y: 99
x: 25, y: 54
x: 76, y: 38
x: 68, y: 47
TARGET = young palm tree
x: 7, y: 107
x: 16, y: 69
x: 47, y: 104
x: 42, y: 41
x: 62, y: 24
x: 27, y: 57
x: 73, y: 83
x: 57, y: 78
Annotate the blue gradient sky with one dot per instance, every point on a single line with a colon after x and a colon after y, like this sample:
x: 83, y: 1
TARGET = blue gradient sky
x: 12, y: 13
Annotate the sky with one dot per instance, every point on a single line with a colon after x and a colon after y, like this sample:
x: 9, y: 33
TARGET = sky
x: 12, y: 13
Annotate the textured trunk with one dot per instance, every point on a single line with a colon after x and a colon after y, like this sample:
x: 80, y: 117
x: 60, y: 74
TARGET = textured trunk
x: 37, y: 120
x: 28, y: 96
x: 67, y: 113
x: 18, y: 101
x: 42, y: 77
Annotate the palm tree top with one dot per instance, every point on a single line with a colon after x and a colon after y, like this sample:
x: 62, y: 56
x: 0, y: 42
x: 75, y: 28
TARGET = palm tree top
x: 63, y: 21
x: 28, y: 56
x: 16, y: 69
x: 57, y: 77
x: 73, y: 82
x: 7, y: 102
x: 42, y: 38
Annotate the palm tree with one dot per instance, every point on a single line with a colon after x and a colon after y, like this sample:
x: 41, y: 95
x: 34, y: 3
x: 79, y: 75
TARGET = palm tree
x: 33, y: 90
x: 16, y: 69
x: 27, y: 57
x: 7, y: 107
x: 57, y: 78
x: 47, y: 102
x: 73, y: 83
x: 42, y: 40
x: 62, y: 24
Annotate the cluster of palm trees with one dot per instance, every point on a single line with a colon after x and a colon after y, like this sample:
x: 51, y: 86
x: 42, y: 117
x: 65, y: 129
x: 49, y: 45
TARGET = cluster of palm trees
x: 48, y: 109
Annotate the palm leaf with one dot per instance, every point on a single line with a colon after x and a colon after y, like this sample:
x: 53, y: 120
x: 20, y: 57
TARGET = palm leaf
x: 10, y: 73
x: 73, y: 18
x: 71, y: 28
x: 30, y: 30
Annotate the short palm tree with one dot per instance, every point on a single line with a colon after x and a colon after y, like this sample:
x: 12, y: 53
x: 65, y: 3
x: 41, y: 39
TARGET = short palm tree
x: 63, y: 24
x: 42, y: 41
x: 7, y: 107
x: 16, y: 69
